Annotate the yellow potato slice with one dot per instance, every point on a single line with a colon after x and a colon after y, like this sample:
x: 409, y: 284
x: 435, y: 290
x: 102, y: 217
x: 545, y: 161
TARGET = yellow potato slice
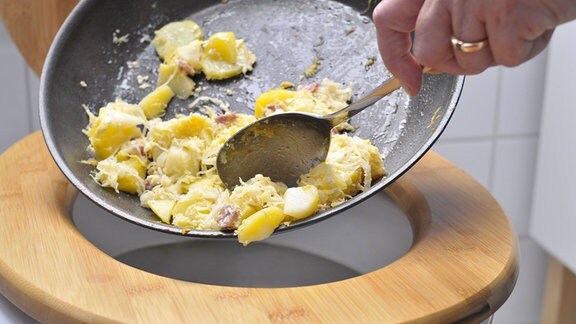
x: 215, y: 69
x: 191, y: 55
x: 219, y: 69
x: 116, y: 124
x: 132, y: 182
x: 162, y: 209
x: 177, y: 79
x: 222, y: 46
x: 260, y: 225
x: 272, y: 97
x: 155, y: 103
x: 174, y: 35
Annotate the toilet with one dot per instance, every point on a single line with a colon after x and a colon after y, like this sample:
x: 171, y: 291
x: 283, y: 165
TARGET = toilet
x: 433, y: 247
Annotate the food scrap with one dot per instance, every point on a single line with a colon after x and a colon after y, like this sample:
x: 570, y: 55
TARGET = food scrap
x: 143, y: 81
x: 119, y: 39
x: 286, y: 85
x: 369, y: 62
x: 133, y: 64
x: 435, y: 117
x: 312, y: 69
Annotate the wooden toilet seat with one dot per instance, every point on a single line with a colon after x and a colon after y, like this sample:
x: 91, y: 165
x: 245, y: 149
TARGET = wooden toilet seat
x: 461, y: 267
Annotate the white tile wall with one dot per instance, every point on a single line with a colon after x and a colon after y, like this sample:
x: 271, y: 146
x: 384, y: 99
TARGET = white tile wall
x: 492, y: 136
x: 514, y: 163
x: 473, y: 155
x: 521, y: 95
x: 476, y: 110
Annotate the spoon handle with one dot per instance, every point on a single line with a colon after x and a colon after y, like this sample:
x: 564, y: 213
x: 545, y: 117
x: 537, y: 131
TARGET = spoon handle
x: 347, y: 112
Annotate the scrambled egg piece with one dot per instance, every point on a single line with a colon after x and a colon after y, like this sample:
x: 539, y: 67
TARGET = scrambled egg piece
x: 171, y: 164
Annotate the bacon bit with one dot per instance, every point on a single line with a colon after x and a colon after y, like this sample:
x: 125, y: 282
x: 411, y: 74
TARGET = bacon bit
x: 273, y: 107
x: 141, y: 150
x: 310, y: 87
x: 226, y: 118
x: 228, y: 217
x: 186, y: 68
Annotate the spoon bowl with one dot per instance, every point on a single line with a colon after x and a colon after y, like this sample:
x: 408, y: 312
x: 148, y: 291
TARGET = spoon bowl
x: 282, y: 147
x: 285, y: 146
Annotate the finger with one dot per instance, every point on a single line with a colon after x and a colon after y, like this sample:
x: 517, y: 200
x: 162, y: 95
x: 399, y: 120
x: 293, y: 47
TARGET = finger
x: 395, y: 20
x: 521, y: 36
x: 437, y: 23
x: 531, y: 48
x: 469, y: 27
x: 540, y: 43
x: 433, y: 30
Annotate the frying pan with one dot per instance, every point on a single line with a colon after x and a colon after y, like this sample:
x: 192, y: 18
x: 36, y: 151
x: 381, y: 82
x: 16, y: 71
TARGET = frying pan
x: 287, y: 36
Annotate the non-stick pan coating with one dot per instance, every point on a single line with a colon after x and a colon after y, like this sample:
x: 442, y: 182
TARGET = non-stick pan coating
x: 287, y: 36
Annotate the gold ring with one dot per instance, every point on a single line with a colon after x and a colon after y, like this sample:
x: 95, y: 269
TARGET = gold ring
x: 465, y: 47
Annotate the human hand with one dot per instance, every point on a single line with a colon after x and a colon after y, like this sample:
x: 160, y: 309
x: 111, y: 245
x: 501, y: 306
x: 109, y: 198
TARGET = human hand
x: 515, y: 31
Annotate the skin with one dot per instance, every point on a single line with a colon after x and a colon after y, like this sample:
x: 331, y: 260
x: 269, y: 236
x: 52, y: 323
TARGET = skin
x: 517, y: 30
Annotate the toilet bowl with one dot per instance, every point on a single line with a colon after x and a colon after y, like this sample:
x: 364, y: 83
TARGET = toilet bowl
x: 358, y: 241
x: 434, y: 247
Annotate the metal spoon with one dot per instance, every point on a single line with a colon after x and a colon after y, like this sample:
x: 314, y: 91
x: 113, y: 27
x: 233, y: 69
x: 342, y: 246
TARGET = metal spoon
x: 287, y: 145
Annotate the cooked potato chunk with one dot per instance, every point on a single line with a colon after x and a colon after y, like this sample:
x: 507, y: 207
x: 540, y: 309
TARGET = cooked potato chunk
x: 127, y: 176
x: 189, y: 57
x: 272, y: 100
x: 260, y: 225
x: 162, y: 209
x: 155, y: 103
x: 117, y: 123
x: 222, y: 46
x: 174, y: 35
x: 216, y: 67
x: 176, y: 79
x: 301, y: 202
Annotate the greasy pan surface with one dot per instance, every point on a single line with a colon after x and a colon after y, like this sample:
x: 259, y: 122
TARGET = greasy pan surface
x: 286, y: 36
